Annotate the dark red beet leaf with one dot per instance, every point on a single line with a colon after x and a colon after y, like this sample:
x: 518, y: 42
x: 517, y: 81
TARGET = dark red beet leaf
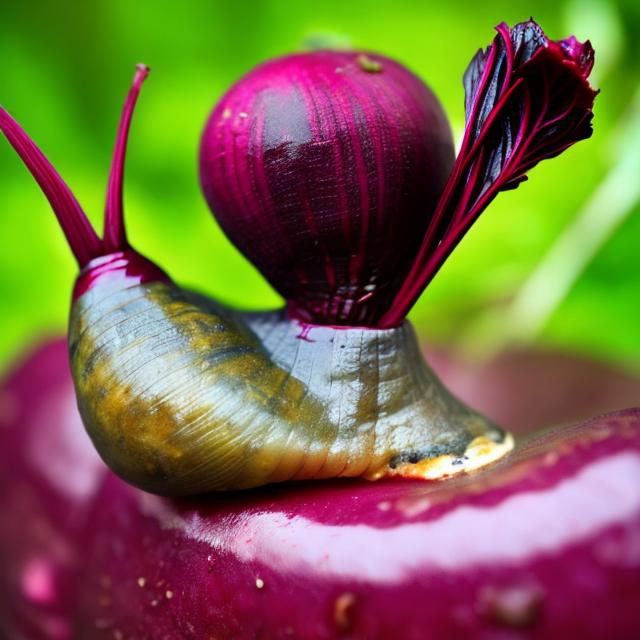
x: 527, y: 99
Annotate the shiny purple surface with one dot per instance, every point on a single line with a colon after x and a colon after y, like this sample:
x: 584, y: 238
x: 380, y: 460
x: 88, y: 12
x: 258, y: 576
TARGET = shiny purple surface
x: 49, y: 474
x: 122, y: 269
x: 324, y: 169
x: 545, y: 544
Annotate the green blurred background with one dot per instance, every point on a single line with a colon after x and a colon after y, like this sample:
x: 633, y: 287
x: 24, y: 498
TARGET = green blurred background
x: 556, y: 262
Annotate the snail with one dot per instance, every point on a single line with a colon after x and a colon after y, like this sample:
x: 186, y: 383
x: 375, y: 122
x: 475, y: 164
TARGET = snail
x: 334, y: 173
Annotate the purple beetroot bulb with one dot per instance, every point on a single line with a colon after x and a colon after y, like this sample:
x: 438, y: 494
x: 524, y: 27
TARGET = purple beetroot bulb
x: 332, y: 171
x: 322, y: 169
x: 545, y: 544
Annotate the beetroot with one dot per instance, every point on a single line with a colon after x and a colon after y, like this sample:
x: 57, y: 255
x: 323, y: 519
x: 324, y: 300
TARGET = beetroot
x: 545, y: 544
x: 331, y: 171
x: 323, y: 168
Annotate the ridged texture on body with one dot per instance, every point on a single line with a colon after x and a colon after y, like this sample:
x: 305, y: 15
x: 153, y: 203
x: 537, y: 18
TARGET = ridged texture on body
x: 181, y: 398
x: 324, y: 169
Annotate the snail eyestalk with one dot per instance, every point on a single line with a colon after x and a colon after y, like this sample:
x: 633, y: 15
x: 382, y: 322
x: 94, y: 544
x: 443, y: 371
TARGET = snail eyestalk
x: 115, y: 238
x: 81, y: 237
x: 83, y: 240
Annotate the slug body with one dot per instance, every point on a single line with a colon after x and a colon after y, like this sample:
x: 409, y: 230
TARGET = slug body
x: 181, y: 396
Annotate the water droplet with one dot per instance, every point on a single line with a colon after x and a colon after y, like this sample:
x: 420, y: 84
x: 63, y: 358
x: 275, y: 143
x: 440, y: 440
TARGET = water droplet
x: 38, y: 581
x: 516, y: 606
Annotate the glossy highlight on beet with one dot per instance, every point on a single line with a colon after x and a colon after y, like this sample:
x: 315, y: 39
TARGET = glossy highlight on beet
x: 322, y: 168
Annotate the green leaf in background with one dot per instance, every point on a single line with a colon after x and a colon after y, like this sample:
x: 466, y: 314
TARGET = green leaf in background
x: 67, y: 66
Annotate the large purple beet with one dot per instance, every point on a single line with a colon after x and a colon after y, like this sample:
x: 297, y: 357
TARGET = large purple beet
x: 324, y: 168
x: 545, y: 544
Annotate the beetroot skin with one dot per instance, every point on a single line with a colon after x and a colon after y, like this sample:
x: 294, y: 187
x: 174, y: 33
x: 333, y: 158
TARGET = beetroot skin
x: 544, y: 544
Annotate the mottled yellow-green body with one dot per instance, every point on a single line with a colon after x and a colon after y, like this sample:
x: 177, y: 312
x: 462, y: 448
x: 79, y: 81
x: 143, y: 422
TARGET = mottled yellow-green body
x: 181, y: 397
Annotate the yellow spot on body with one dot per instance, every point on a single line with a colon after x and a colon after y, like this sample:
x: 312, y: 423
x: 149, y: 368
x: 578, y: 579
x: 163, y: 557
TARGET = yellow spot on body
x: 480, y: 452
x: 226, y: 114
x: 168, y: 594
x: 259, y: 583
x: 142, y: 582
